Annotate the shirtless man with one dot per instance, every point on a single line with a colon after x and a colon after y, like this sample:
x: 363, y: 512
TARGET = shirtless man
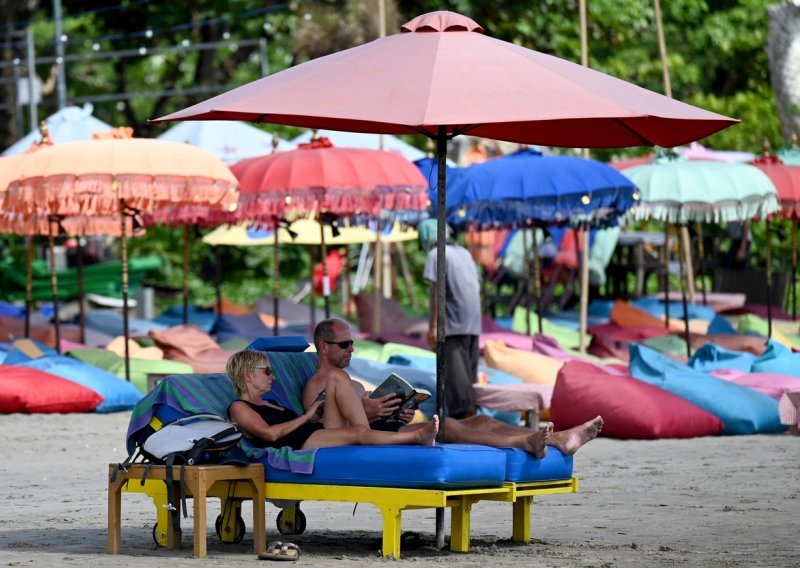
x: 334, y: 350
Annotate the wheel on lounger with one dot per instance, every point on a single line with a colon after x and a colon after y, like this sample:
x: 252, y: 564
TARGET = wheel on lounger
x: 159, y: 538
x: 240, y: 530
x: 285, y: 524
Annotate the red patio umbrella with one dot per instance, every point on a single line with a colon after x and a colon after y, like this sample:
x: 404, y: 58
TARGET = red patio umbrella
x: 320, y: 179
x: 441, y: 76
x: 787, y: 181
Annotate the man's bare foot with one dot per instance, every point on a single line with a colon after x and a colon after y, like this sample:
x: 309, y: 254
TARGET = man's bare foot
x: 568, y: 441
x: 535, y: 443
x: 426, y: 436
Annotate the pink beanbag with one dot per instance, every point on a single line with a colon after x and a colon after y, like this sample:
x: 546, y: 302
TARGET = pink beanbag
x: 191, y: 345
x: 23, y: 389
x: 630, y: 408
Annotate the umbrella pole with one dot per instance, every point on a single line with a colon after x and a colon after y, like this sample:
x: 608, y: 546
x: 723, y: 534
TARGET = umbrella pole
x: 702, y: 254
x: 377, y: 278
x: 276, y: 275
x: 123, y: 253
x: 185, y: 274
x: 326, y: 285
x: 54, y: 282
x: 794, y: 268
x: 665, y: 279
x: 441, y: 284
x: 81, y: 308
x: 768, y: 236
x: 313, y: 292
x: 29, y: 286
x: 684, y: 275
x: 529, y: 292
x: 218, y: 279
x: 537, y: 280
x: 584, y: 290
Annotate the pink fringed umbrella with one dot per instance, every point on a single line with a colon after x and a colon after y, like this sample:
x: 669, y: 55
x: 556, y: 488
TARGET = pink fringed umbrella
x: 115, y: 175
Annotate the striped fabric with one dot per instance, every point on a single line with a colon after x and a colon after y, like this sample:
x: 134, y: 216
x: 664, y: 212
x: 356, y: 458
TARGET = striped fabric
x: 292, y: 371
x: 789, y: 408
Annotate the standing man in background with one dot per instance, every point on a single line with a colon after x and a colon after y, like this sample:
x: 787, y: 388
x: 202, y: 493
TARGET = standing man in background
x: 462, y: 318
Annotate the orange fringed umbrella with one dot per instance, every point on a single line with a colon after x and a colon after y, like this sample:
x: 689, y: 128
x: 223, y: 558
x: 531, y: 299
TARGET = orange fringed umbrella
x: 115, y: 175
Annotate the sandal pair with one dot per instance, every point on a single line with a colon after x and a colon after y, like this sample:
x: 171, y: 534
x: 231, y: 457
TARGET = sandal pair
x: 280, y: 551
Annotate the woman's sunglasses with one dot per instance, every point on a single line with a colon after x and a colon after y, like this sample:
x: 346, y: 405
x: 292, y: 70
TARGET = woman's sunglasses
x: 267, y: 369
x: 346, y: 344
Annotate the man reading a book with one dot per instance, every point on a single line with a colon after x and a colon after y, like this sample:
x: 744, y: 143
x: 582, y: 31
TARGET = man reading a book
x: 335, y: 349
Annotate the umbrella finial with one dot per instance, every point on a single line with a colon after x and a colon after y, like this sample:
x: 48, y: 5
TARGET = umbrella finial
x: 794, y: 141
x: 765, y: 147
x: 315, y: 137
x: 276, y: 140
x: 430, y: 149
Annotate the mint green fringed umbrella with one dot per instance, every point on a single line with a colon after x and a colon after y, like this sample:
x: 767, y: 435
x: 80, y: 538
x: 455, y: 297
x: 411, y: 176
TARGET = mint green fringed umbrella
x: 678, y: 191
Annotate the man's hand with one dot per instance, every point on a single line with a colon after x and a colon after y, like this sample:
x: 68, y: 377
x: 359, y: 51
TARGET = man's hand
x: 376, y: 408
x: 432, y: 337
x: 407, y: 414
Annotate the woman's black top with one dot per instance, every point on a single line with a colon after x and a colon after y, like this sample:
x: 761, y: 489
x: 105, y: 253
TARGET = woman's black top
x: 278, y: 415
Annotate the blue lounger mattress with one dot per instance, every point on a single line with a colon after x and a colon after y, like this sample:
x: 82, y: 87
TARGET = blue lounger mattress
x: 445, y: 466
x: 522, y: 466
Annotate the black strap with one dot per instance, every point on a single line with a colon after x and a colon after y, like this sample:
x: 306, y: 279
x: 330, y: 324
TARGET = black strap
x: 183, y: 490
x: 146, y: 471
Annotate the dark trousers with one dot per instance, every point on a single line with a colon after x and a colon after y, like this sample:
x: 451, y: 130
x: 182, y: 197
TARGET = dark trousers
x: 461, y: 366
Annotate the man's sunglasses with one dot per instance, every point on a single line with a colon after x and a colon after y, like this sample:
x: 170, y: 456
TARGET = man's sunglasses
x: 267, y: 369
x: 346, y: 344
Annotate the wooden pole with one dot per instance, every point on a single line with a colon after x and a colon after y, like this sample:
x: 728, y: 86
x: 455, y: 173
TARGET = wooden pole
x: 81, y: 307
x: 123, y: 253
x: 537, y: 280
x: 276, y: 276
x: 701, y: 253
x: 29, y: 285
x: 584, y: 313
x: 768, y: 236
x: 186, y: 235
x: 662, y: 48
x: 684, y: 277
x: 54, y: 282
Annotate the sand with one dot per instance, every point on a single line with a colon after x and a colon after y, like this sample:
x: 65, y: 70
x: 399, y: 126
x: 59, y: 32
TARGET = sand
x: 727, y: 501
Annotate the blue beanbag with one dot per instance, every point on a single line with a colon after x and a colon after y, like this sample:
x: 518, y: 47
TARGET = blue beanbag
x: 711, y: 357
x: 204, y: 318
x: 118, y: 394
x: 522, y: 466
x: 743, y: 410
x: 240, y: 326
x: 719, y: 325
x: 655, y: 307
x: 777, y: 359
x: 444, y: 466
x: 110, y: 323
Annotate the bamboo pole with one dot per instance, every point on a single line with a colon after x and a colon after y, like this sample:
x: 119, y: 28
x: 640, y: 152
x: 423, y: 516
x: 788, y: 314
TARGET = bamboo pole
x: 584, y: 308
x: 537, y: 280
x: 276, y: 275
x: 54, y: 282
x: 29, y: 285
x: 701, y: 253
x: 81, y: 307
x: 529, y: 292
x: 124, y: 259
x: 185, y: 274
x: 768, y: 236
x: 684, y: 278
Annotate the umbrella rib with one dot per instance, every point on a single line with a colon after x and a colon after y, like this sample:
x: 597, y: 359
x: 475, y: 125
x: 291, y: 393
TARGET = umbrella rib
x: 645, y: 141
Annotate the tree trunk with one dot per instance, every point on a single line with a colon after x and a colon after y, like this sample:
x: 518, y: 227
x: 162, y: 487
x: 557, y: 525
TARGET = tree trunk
x: 783, y: 49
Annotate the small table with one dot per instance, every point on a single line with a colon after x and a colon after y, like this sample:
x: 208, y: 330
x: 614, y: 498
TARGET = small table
x: 201, y: 481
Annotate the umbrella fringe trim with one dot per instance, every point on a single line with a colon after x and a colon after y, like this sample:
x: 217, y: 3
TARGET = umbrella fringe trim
x: 726, y: 211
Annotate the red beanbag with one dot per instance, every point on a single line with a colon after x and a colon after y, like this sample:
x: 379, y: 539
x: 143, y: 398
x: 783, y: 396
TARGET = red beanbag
x: 23, y: 389
x: 630, y: 408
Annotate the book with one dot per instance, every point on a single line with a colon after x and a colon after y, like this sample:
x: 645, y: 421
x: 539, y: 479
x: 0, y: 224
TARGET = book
x: 409, y: 395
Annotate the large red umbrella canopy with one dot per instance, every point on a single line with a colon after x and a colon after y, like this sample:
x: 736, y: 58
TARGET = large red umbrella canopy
x: 787, y: 181
x: 441, y: 70
x: 321, y: 177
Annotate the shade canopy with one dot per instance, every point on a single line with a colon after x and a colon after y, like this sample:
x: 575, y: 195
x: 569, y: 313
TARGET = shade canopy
x: 67, y: 125
x: 681, y: 191
x: 786, y: 179
x: 321, y: 177
x: 306, y: 232
x: 230, y: 141
x: 696, y: 151
x: 91, y: 177
x: 508, y: 191
x: 790, y: 156
x: 442, y: 71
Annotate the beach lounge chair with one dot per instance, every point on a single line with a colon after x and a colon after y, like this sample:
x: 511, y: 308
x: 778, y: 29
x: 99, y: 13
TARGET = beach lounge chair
x: 449, y: 475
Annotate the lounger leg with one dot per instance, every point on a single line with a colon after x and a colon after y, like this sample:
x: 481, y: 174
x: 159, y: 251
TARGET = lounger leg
x: 460, y: 524
x: 231, y: 511
x: 114, y: 515
x: 522, y: 519
x: 199, y: 497
x: 163, y: 532
x: 391, y: 529
x: 259, y: 518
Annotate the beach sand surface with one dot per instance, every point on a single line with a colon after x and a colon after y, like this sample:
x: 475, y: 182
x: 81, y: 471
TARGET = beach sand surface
x: 708, y: 502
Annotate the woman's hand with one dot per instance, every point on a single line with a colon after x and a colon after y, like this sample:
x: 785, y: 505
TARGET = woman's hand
x: 315, y: 411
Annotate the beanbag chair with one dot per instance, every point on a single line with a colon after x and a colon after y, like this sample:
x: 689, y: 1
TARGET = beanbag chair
x: 117, y: 394
x: 734, y: 341
x: 139, y: 368
x: 655, y: 307
x: 13, y: 328
x: 288, y: 343
x: 204, y: 318
x: 243, y: 326
x: 612, y: 340
x: 393, y: 318
x: 191, y: 345
x: 626, y: 315
x: 288, y: 311
x: 30, y: 390
x: 110, y: 323
x: 530, y: 367
x: 751, y: 323
x: 135, y: 351
x: 566, y: 337
x: 771, y: 384
x: 630, y: 408
x: 742, y: 410
x: 777, y: 359
x: 711, y: 357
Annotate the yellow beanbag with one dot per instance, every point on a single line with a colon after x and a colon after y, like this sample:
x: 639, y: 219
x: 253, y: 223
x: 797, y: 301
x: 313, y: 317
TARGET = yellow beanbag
x: 530, y: 367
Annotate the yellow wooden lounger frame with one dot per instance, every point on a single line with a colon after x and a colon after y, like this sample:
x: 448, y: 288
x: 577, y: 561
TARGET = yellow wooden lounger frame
x: 390, y: 501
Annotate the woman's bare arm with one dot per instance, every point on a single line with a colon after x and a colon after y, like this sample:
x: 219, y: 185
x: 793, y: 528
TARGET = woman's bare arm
x: 251, y: 422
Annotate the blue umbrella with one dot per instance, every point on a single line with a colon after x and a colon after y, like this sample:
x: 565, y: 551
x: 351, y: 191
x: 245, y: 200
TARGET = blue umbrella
x: 525, y: 185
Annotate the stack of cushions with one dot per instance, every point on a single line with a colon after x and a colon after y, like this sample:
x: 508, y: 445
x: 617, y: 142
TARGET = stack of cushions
x: 742, y: 410
x: 630, y: 408
x: 139, y: 368
x: 191, y: 345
